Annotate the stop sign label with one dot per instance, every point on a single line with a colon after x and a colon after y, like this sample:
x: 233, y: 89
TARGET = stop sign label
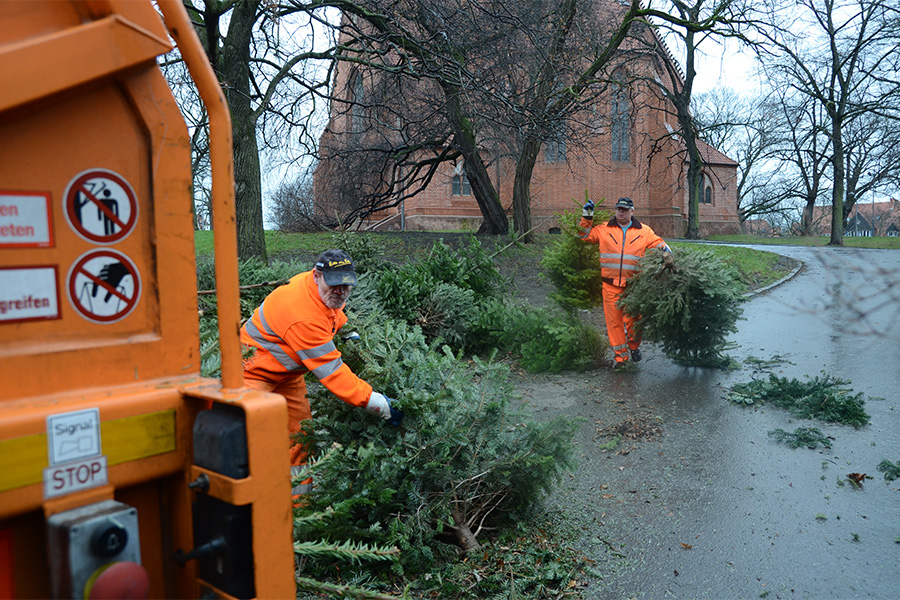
x: 75, y: 476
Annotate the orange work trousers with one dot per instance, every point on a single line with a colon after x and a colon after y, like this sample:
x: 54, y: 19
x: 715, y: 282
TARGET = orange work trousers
x: 619, y: 326
x: 293, y: 388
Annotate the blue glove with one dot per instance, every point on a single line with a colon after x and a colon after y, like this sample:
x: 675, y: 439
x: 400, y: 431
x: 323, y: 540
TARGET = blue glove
x: 587, y: 210
x: 380, y: 405
x: 396, y: 417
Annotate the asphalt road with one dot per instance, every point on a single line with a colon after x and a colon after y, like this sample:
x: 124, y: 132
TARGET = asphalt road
x: 702, y: 504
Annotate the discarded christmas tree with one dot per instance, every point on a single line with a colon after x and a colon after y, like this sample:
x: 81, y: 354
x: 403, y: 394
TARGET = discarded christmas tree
x: 689, y: 312
x: 462, y: 462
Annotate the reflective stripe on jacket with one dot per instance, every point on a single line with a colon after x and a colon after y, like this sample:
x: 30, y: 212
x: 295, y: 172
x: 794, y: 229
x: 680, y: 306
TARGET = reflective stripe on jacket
x: 293, y: 333
x: 619, y: 257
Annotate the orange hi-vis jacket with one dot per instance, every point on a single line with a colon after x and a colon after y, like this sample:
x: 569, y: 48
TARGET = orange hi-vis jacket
x: 293, y: 333
x: 619, y: 255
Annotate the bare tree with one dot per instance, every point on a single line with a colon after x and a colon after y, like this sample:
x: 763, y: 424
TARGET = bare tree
x: 747, y: 130
x: 802, y: 147
x: 270, y: 77
x: 690, y: 25
x: 510, y: 74
x: 291, y: 206
x: 840, y: 54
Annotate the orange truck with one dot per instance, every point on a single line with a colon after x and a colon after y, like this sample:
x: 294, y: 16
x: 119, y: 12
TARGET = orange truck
x: 123, y: 472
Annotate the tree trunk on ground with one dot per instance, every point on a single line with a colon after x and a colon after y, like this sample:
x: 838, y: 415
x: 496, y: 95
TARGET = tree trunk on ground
x: 463, y: 533
x: 236, y: 80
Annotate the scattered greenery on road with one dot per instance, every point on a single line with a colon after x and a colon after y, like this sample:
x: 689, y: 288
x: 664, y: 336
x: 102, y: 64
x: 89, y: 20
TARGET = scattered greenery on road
x: 824, y: 398
x: 891, y: 470
x: 808, y: 437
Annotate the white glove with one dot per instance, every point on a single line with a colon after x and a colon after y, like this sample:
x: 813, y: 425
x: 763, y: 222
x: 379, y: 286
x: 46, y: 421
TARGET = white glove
x: 379, y: 405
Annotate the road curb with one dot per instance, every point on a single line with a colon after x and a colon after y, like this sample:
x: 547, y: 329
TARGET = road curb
x: 787, y: 277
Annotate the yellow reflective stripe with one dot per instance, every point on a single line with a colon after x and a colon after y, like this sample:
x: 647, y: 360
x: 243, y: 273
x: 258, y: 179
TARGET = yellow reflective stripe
x: 22, y: 460
x: 140, y: 436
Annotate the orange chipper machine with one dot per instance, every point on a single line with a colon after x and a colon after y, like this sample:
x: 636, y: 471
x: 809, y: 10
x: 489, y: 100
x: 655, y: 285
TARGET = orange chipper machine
x: 123, y: 472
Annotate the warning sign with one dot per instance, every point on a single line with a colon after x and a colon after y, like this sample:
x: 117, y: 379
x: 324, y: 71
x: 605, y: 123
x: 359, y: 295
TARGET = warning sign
x: 28, y: 294
x: 100, y: 206
x: 25, y: 220
x: 104, y: 286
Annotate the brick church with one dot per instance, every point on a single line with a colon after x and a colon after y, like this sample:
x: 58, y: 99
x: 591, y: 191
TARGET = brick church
x: 635, y: 153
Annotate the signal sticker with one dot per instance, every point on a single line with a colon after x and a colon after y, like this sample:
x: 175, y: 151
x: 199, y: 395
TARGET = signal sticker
x: 74, y: 453
x: 103, y: 286
x: 100, y: 206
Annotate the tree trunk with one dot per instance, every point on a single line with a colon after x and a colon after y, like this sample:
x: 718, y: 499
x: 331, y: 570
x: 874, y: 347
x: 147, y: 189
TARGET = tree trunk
x: 236, y: 80
x: 488, y: 199
x: 463, y: 533
x: 837, y: 192
x: 694, y: 181
x: 522, y: 189
x: 807, y: 217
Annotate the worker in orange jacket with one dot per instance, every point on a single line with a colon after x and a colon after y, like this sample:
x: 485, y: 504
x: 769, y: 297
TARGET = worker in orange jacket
x: 622, y: 242
x: 292, y: 333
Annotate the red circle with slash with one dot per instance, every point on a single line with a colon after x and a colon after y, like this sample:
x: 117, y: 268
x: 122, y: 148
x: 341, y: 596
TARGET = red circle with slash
x: 104, y: 286
x: 100, y: 206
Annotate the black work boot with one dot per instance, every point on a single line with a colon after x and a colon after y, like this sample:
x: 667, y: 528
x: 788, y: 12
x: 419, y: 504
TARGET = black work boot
x: 636, y: 355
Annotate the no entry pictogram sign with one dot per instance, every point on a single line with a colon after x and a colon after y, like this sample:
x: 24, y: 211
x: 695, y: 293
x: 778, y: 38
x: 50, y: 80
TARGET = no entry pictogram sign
x: 104, y: 286
x: 100, y: 206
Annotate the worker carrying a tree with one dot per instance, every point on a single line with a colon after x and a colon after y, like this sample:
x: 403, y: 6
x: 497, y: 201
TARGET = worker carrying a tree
x: 623, y: 240
x: 292, y: 333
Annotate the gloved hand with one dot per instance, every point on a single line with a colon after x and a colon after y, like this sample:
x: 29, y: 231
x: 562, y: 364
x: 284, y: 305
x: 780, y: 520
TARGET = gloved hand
x: 669, y: 261
x: 396, y: 417
x: 351, y: 337
x: 587, y: 211
x: 380, y: 405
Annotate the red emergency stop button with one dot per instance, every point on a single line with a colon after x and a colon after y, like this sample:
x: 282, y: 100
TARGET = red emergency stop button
x: 118, y: 581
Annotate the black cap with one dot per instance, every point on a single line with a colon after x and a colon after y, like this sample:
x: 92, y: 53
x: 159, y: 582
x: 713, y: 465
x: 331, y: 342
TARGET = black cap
x: 336, y: 267
x: 624, y: 203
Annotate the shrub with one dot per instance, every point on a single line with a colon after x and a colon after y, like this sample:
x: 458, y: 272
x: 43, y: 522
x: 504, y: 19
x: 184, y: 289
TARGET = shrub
x: 689, y: 312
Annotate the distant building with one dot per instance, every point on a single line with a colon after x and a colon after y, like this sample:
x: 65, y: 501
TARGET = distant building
x: 636, y: 154
x: 865, y: 219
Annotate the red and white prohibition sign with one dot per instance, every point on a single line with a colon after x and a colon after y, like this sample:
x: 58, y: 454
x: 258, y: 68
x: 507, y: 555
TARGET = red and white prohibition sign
x: 104, y: 286
x: 100, y: 206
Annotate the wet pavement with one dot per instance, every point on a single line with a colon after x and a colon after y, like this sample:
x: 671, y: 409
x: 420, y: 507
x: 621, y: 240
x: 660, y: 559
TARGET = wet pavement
x: 711, y: 507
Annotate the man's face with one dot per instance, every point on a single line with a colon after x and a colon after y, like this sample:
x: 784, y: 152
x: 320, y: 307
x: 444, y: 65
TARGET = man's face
x: 332, y: 296
x: 623, y: 215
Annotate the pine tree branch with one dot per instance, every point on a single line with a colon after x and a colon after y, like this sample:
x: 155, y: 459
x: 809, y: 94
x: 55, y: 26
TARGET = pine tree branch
x: 346, y: 551
x: 340, y: 591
